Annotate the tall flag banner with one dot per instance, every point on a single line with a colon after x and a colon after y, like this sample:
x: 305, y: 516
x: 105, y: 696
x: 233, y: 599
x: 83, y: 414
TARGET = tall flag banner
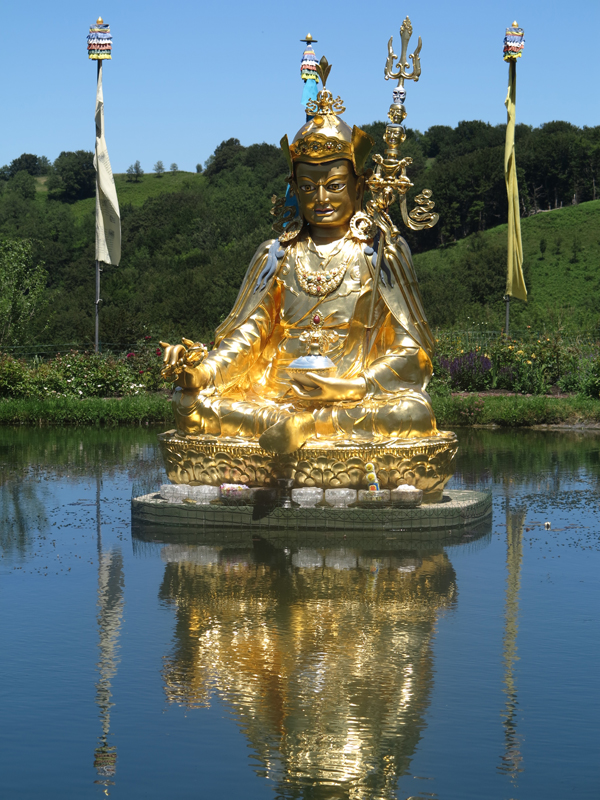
x: 514, y: 43
x: 108, y: 218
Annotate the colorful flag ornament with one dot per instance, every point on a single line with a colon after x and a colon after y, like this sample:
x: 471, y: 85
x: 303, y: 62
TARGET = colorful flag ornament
x: 99, y: 41
x: 514, y: 42
x: 308, y: 71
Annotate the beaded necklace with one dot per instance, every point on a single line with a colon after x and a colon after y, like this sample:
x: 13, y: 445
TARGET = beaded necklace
x: 322, y: 283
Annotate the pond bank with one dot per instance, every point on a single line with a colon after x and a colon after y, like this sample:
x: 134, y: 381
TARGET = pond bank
x: 508, y: 411
x: 515, y: 411
x: 142, y: 409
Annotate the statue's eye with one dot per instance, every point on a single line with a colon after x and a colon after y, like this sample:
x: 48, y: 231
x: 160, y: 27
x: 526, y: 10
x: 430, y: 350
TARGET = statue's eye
x: 307, y: 187
x: 336, y: 187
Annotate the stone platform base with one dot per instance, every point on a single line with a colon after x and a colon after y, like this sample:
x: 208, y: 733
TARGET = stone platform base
x: 425, y: 463
x: 458, y: 509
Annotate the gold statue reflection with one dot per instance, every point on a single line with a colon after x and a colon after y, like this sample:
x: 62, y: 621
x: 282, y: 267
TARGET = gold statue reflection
x: 324, y: 655
x: 110, y: 615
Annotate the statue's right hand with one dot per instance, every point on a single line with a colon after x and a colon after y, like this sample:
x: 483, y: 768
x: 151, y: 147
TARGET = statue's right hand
x: 172, y: 360
x: 183, y: 371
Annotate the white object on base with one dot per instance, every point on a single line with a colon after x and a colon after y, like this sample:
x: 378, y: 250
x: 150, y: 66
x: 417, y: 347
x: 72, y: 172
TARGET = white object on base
x: 340, y: 498
x: 178, y: 492
x: 307, y: 496
x: 407, y: 496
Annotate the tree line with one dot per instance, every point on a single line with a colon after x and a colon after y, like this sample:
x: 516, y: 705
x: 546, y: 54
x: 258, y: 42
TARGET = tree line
x: 185, y: 252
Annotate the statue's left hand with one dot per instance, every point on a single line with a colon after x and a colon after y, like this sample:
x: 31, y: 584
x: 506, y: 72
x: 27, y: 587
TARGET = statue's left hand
x: 332, y: 389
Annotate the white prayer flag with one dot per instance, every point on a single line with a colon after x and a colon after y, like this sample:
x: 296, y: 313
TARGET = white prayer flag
x: 108, y: 218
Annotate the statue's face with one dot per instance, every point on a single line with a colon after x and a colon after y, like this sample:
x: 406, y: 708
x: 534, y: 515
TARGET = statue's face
x: 329, y: 193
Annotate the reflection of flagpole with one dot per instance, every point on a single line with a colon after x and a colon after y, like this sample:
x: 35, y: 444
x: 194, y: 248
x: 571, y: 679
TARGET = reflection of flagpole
x: 108, y: 219
x: 515, y: 282
x: 512, y: 758
x: 110, y: 614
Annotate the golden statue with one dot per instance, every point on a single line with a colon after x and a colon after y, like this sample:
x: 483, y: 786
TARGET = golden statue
x: 324, y: 361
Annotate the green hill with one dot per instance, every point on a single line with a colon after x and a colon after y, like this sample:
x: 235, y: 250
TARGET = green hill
x: 187, y: 238
x: 463, y: 283
x: 130, y: 193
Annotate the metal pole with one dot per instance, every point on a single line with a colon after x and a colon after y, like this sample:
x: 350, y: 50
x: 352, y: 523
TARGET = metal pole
x: 98, y: 270
x: 507, y: 298
x: 97, y: 331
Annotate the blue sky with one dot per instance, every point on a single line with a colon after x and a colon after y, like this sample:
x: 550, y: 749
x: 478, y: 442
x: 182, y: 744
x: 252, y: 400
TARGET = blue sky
x: 186, y: 75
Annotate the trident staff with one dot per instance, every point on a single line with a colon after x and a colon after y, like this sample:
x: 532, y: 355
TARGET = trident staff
x: 389, y: 178
x: 108, y: 218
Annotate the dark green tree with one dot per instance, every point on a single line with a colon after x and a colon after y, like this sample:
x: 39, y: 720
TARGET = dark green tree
x: 26, y: 162
x: 135, y: 172
x: 73, y: 176
x: 22, y: 291
x: 22, y: 184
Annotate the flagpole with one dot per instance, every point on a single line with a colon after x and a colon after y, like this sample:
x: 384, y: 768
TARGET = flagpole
x: 514, y: 42
x: 108, y: 217
x: 98, y: 270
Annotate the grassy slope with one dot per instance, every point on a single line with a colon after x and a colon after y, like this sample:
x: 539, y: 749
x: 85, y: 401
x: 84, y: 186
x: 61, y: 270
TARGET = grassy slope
x: 554, y: 282
x: 128, y: 191
x: 555, y: 285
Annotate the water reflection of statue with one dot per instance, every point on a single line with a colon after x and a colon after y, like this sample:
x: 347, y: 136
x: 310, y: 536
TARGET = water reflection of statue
x: 322, y: 267
x: 325, y: 657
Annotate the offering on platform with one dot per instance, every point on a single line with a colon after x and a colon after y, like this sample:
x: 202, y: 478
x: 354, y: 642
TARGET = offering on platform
x: 235, y: 493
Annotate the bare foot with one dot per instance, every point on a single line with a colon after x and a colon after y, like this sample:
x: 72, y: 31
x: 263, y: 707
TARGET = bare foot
x: 288, y: 434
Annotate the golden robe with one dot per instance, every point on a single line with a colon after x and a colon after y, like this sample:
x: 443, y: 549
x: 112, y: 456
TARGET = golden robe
x: 251, y: 389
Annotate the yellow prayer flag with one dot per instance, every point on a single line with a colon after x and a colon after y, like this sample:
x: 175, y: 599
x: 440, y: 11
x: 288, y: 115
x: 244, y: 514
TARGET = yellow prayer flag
x: 108, y: 217
x: 515, y: 282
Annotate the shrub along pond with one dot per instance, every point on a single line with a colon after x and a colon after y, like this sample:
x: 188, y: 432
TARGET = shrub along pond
x: 308, y: 667
x: 85, y: 388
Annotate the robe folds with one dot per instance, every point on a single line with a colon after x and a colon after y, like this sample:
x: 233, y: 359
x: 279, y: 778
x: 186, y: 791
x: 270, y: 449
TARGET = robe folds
x: 251, y: 389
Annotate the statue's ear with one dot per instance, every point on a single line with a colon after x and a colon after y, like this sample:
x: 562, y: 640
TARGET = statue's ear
x: 285, y: 146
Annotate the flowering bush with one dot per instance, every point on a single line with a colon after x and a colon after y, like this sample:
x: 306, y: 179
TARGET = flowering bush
x: 528, y: 365
x: 468, y: 371
x: 78, y: 374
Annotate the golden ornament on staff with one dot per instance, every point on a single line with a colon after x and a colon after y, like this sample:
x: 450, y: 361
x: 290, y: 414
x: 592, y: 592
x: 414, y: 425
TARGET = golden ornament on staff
x: 339, y: 278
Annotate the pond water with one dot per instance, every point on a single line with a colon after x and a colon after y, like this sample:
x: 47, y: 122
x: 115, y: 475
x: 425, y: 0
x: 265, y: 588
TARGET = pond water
x: 150, y: 664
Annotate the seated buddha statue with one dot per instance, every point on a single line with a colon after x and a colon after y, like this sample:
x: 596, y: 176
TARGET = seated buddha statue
x: 317, y: 279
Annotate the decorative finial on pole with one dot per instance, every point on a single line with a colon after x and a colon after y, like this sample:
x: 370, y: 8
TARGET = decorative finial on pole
x: 309, y: 71
x: 514, y: 42
x: 99, y: 41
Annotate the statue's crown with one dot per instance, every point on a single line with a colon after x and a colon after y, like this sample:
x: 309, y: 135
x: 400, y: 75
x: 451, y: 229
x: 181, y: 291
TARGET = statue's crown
x: 325, y: 137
